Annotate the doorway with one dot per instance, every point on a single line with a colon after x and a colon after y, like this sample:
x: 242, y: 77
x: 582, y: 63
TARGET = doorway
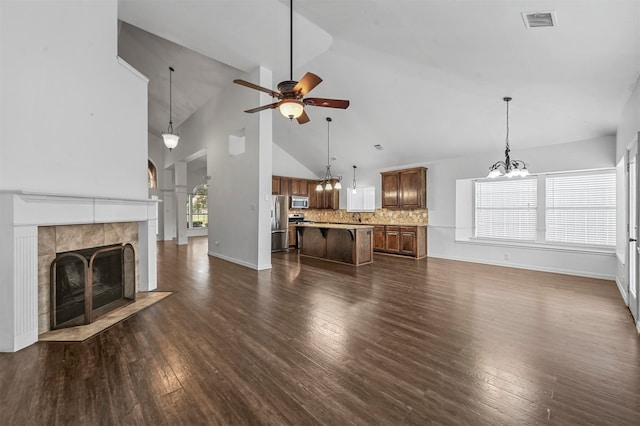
x: 632, y: 255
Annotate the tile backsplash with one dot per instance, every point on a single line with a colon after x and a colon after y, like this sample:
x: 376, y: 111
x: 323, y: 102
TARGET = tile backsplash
x: 380, y: 216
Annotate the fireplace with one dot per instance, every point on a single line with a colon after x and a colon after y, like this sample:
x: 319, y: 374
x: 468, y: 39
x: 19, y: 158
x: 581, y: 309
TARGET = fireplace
x: 88, y: 283
x: 37, y: 227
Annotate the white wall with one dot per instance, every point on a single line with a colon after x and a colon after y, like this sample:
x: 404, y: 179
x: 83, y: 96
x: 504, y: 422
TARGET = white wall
x: 285, y: 165
x: 240, y: 186
x: 74, y: 119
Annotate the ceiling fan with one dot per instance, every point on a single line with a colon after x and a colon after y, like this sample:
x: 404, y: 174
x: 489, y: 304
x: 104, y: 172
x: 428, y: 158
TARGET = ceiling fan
x: 291, y: 93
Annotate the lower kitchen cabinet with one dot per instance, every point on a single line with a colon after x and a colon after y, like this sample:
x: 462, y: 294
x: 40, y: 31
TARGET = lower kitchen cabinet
x: 378, y: 238
x: 293, y: 236
x: 403, y: 240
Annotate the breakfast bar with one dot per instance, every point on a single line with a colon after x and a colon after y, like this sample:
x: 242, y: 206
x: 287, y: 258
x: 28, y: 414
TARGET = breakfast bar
x: 345, y: 243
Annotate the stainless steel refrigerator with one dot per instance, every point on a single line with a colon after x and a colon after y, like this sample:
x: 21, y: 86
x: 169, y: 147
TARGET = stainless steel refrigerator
x: 279, y: 223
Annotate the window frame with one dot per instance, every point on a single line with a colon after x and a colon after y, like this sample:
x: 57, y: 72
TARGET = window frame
x: 540, y: 240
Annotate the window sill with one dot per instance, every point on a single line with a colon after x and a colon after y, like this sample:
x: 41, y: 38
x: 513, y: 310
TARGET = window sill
x: 539, y: 246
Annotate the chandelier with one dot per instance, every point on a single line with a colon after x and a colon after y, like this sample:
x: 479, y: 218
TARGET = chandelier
x: 170, y: 139
x: 508, y: 167
x: 328, y: 177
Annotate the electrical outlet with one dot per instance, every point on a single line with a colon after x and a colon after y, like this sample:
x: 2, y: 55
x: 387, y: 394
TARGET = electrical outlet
x: 217, y: 243
x: 507, y: 257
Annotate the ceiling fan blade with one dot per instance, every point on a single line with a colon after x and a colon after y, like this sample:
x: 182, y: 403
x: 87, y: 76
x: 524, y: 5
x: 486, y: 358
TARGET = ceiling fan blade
x: 263, y: 107
x: 307, y: 83
x: 273, y: 93
x: 328, y: 103
x: 304, y: 118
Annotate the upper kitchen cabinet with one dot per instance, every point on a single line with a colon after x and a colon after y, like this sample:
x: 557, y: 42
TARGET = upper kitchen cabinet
x: 404, y: 189
x: 325, y: 199
x: 299, y: 187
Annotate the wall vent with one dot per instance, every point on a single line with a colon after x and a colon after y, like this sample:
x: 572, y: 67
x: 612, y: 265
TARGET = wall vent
x: 540, y: 19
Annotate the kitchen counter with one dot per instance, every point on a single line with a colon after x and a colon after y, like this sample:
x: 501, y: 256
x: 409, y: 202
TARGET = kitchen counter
x: 337, y: 242
x: 372, y: 224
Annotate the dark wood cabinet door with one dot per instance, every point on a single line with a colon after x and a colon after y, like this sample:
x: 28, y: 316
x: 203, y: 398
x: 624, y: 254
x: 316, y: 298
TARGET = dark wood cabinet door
x: 408, y: 241
x: 303, y: 188
x: 294, y: 186
x: 392, y: 239
x: 313, y: 194
x: 292, y: 236
x: 378, y: 238
x: 275, y: 185
x: 390, y: 190
x: 412, y: 186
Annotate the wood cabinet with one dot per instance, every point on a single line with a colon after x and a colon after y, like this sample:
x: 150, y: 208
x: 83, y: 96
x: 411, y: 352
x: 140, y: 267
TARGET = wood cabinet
x: 313, y: 197
x: 298, y: 187
x: 324, y: 199
x: 275, y: 185
x: 293, y: 237
x: 378, y: 238
x: 404, y: 189
x: 407, y: 240
x: 392, y: 239
x: 403, y: 240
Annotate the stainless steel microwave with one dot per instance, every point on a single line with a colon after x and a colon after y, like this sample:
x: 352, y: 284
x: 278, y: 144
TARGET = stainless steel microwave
x: 299, y: 202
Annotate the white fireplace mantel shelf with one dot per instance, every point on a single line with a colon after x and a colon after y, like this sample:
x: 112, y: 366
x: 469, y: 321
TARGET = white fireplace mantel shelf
x: 21, y: 213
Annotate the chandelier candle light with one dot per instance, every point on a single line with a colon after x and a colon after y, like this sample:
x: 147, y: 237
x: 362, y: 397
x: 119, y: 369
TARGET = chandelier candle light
x: 326, y: 182
x: 508, y: 167
x: 170, y: 139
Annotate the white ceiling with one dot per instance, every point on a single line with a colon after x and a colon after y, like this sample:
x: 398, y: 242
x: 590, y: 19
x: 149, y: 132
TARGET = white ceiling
x: 425, y: 78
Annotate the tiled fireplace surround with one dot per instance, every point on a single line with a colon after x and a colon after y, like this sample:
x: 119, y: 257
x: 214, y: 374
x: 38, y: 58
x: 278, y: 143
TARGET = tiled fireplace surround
x: 34, y: 226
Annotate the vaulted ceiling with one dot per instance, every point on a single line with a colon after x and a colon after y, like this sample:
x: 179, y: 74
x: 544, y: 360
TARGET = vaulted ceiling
x: 425, y: 78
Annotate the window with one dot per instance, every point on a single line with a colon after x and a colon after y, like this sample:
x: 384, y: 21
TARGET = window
x: 581, y: 208
x: 506, y: 209
x: 576, y: 209
x: 197, y: 210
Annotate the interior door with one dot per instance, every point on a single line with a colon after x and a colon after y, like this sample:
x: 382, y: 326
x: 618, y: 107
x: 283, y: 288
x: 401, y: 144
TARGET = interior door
x: 633, y: 253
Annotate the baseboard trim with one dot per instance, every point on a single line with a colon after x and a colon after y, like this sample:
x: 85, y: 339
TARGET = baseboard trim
x: 239, y: 262
x: 623, y: 293
x: 529, y: 267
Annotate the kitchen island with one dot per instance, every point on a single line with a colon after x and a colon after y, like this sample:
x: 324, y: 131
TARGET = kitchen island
x: 352, y: 244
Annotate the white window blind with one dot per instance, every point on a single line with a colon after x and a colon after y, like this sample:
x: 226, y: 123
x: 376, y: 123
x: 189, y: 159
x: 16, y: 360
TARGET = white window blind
x: 581, y: 208
x: 506, y: 209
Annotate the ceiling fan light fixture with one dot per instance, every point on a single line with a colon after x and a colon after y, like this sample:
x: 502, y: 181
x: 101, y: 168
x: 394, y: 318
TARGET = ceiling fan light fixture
x: 291, y: 108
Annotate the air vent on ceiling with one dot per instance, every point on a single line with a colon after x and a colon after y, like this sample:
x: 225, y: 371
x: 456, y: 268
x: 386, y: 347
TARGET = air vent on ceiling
x: 378, y: 147
x: 539, y: 19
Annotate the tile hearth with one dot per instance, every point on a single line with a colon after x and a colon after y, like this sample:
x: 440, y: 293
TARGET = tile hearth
x: 84, y: 332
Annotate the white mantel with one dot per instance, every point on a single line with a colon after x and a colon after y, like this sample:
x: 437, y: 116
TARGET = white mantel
x: 20, y: 215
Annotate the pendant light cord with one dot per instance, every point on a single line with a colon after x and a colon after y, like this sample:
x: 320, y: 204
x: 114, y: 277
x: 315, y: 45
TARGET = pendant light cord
x: 291, y: 40
x: 170, y: 101
x: 507, y: 141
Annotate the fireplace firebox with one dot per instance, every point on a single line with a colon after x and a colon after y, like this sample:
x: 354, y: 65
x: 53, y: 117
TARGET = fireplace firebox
x: 88, y: 283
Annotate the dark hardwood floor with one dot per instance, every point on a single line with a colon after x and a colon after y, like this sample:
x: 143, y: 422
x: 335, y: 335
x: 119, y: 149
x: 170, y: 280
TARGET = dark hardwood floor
x: 399, y: 341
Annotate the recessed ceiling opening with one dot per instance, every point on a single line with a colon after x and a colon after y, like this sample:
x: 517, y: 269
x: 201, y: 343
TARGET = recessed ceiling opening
x: 540, y: 19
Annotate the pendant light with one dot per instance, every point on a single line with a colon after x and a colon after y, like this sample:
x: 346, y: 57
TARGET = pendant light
x: 508, y: 167
x: 170, y: 139
x: 325, y: 184
x: 353, y: 190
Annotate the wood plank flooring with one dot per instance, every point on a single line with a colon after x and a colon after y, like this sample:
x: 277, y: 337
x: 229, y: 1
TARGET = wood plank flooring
x: 309, y: 342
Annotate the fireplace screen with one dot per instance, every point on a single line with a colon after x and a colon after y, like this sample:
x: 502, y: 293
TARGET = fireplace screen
x: 86, y: 284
